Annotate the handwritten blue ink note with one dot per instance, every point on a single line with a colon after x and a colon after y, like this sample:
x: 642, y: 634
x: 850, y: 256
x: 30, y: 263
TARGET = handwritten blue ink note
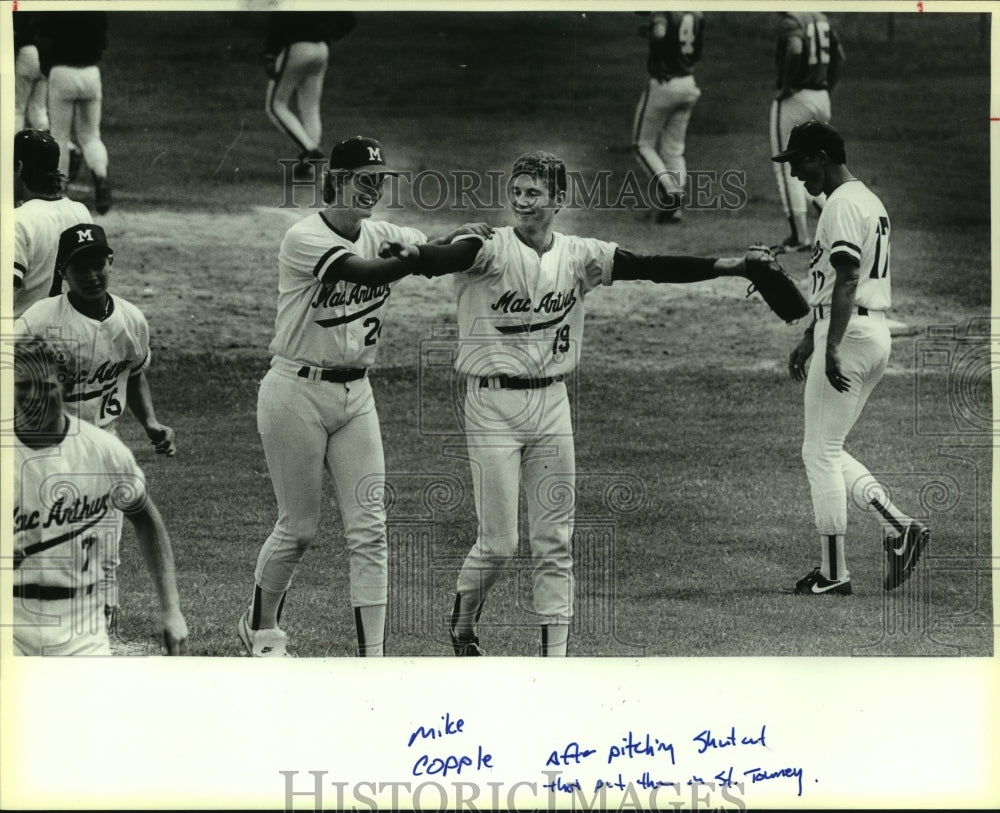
x: 455, y: 759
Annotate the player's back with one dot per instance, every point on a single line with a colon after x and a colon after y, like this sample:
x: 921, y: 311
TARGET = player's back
x: 818, y: 47
x: 676, y: 52
x: 37, y: 226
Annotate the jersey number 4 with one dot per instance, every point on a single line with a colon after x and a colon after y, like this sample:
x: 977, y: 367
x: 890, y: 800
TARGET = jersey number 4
x: 686, y: 34
x: 880, y: 266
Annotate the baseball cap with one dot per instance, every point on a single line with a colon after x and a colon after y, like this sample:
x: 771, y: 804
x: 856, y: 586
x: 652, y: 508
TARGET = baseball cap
x: 37, y: 151
x: 360, y: 154
x: 811, y: 137
x: 79, y: 238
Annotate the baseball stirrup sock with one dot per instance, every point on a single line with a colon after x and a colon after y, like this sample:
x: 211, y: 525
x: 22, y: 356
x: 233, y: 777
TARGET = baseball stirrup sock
x: 370, y: 624
x: 267, y: 608
x: 896, y: 522
x: 465, y: 615
x: 555, y: 638
x: 834, y: 564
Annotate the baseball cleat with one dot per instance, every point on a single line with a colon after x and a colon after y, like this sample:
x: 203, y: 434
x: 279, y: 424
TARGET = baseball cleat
x: 270, y: 643
x: 102, y: 195
x: 75, y: 163
x: 303, y: 170
x: 465, y: 647
x: 816, y: 584
x: 668, y: 216
x: 903, y: 552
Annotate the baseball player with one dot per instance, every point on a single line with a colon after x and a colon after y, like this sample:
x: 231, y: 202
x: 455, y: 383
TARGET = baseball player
x: 40, y: 218
x: 296, y: 53
x: 109, y: 338
x: 808, y: 58
x: 664, y: 109
x: 315, y: 408
x: 71, y: 44
x: 520, y: 318
x: 30, y: 87
x: 72, y: 481
x: 851, y: 292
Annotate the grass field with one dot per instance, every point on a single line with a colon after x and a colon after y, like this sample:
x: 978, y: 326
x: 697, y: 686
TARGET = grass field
x: 693, y: 506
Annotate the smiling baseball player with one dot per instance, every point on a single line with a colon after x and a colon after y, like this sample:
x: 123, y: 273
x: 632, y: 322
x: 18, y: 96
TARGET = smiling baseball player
x: 315, y: 408
x: 72, y: 482
x: 520, y: 319
x: 850, y: 343
x: 109, y: 337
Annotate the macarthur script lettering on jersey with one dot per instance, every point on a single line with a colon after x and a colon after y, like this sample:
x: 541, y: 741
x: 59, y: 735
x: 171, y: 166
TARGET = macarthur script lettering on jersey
x: 333, y: 296
x: 551, y: 302
x: 79, y: 510
x: 104, y: 372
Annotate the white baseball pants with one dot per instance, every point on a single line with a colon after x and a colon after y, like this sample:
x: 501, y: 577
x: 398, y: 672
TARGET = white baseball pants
x: 76, y: 92
x: 660, y: 129
x: 830, y: 415
x: 306, y: 426
x: 30, y: 91
x: 517, y: 437
x: 301, y: 70
x: 803, y: 105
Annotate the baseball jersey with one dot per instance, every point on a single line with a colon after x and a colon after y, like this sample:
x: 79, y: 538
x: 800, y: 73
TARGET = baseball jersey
x: 66, y: 503
x: 333, y: 324
x: 107, y: 353
x: 853, y: 223
x: 521, y: 314
x: 37, y: 226
x: 287, y: 27
x: 73, y: 38
x: 818, y: 43
x: 676, y: 52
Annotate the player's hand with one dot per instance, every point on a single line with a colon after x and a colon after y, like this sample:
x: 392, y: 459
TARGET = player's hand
x: 390, y: 249
x: 175, y: 632
x: 270, y: 63
x: 837, y: 379
x: 162, y: 438
x: 799, y: 356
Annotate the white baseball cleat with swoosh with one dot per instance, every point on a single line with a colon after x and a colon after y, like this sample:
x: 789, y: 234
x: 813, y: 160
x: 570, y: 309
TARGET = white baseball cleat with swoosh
x: 269, y: 643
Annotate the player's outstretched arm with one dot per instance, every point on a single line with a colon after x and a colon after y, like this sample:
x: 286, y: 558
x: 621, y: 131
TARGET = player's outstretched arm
x: 676, y: 268
x: 367, y: 272
x: 139, y: 398
x: 434, y: 261
x: 154, y: 544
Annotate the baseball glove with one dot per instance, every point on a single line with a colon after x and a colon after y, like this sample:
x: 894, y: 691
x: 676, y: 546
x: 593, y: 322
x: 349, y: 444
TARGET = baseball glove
x: 777, y: 289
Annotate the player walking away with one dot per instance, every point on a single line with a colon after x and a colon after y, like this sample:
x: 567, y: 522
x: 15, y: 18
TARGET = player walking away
x: 71, y: 483
x: 30, y: 87
x: 109, y: 338
x: 520, y: 319
x: 663, y: 112
x: 851, y: 293
x: 808, y: 58
x: 40, y: 217
x: 296, y: 52
x: 71, y: 44
x: 315, y: 408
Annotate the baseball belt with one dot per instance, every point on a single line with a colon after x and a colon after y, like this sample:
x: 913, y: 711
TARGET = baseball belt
x: 821, y: 311
x: 509, y: 382
x: 46, y: 592
x: 336, y: 376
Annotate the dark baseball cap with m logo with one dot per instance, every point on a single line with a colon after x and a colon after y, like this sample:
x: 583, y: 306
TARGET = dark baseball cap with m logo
x: 360, y: 154
x: 83, y: 237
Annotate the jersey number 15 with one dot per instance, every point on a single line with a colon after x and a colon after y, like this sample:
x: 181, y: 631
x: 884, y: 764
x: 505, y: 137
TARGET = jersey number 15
x: 880, y: 266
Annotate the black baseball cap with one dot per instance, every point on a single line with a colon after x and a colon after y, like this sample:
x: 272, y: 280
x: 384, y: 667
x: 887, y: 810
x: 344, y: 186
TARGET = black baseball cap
x: 360, y: 154
x: 809, y: 138
x: 37, y: 151
x: 79, y: 238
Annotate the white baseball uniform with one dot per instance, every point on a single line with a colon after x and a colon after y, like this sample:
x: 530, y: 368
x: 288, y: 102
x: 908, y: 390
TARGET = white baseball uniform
x: 853, y: 223
x: 37, y: 226
x: 68, y: 500
x: 307, y: 421
x: 107, y: 354
x: 30, y: 91
x: 520, y: 316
